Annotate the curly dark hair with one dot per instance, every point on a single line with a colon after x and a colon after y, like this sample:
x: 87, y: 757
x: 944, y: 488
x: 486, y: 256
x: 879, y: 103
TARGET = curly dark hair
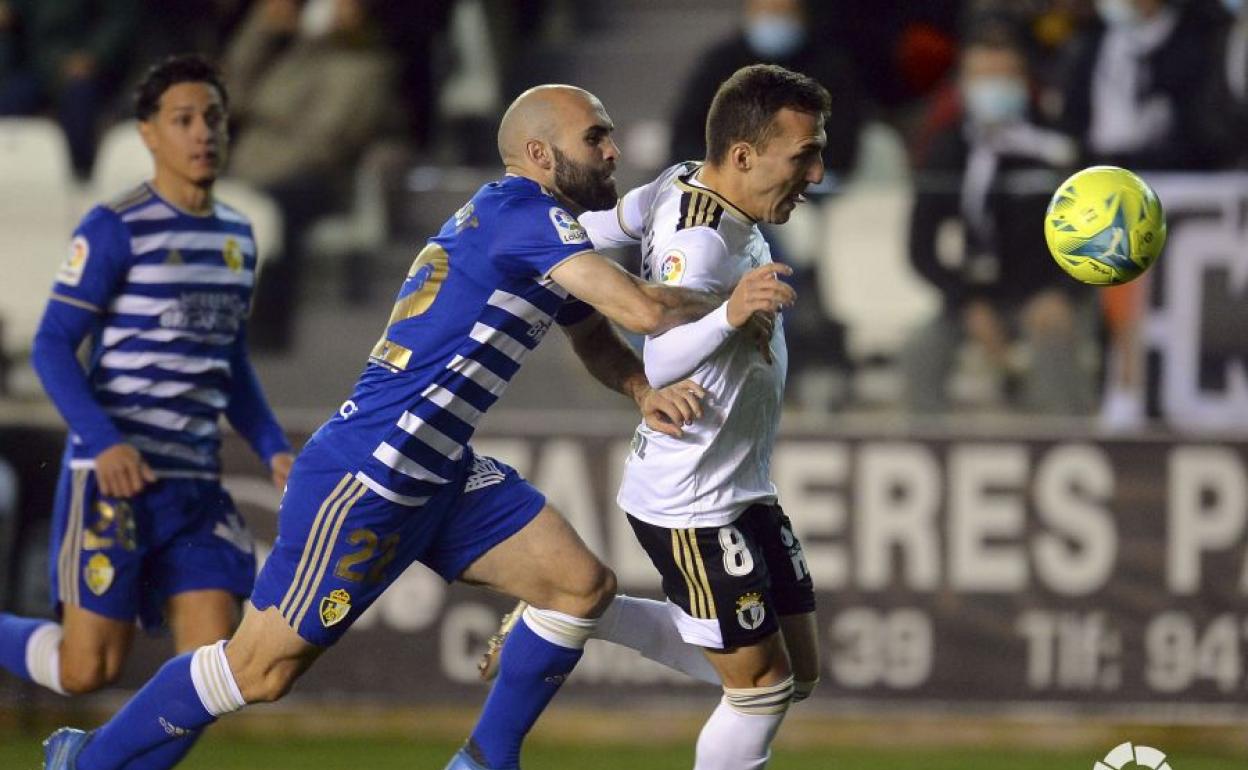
x: 184, y: 68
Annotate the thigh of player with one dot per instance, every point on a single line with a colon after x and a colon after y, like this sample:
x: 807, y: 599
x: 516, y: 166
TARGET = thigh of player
x: 718, y: 581
x: 792, y: 588
x: 200, y: 563
x: 503, y: 535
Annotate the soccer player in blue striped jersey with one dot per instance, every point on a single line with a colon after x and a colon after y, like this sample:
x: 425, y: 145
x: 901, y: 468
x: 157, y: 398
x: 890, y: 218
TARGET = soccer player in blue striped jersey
x: 160, y: 279
x: 391, y: 478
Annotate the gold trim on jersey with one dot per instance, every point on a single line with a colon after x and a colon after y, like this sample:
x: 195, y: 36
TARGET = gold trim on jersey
x: 697, y: 209
x: 619, y: 217
x: 683, y: 184
x: 68, y: 560
x: 390, y: 354
x: 357, y: 491
x: 313, y: 542
x: 130, y: 198
x: 76, y: 302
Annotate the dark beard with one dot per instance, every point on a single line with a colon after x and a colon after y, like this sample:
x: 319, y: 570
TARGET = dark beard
x: 591, y: 190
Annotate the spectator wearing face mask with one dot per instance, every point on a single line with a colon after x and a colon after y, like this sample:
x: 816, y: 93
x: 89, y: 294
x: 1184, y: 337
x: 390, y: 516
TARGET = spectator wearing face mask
x: 1133, y: 86
x: 773, y: 32
x: 992, y: 173
x: 1225, y: 111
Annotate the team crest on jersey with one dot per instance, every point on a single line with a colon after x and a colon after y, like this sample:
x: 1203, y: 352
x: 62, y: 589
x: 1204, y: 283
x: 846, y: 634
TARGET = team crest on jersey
x: 570, y: 231
x: 335, y: 607
x: 100, y: 573
x: 672, y: 267
x: 70, y: 272
x: 750, y: 610
x: 232, y: 253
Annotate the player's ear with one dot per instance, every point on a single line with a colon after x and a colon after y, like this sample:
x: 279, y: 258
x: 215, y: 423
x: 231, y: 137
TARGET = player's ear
x: 539, y: 154
x: 147, y: 132
x: 741, y: 156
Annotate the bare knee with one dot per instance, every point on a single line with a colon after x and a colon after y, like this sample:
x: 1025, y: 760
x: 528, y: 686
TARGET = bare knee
x: 583, y: 593
x: 81, y: 674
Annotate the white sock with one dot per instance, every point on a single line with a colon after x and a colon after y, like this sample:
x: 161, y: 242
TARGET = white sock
x: 214, y: 682
x: 646, y: 626
x: 559, y: 628
x: 43, y: 656
x: 739, y: 733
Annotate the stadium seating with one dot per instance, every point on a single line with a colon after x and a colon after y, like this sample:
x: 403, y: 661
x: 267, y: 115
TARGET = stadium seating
x: 37, y: 196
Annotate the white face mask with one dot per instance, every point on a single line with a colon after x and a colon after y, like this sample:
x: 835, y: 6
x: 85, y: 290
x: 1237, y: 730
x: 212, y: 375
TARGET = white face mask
x: 995, y: 99
x: 1118, y: 13
x: 317, y: 19
x: 775, y: 35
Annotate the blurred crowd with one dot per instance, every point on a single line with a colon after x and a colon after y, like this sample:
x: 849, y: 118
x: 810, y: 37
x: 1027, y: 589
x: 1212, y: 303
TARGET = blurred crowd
x: 995, y: 101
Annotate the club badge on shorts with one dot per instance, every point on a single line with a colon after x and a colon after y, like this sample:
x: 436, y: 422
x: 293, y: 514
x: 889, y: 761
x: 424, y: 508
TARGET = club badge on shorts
x: 335, y: 607
x: 100, y: 573
x: 750, y: 610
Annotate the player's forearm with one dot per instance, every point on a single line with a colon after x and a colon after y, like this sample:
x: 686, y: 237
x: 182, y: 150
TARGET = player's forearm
x: 677, y: 306
x: 248, y: 410
x: 673, y: 356
x: 611, y: 360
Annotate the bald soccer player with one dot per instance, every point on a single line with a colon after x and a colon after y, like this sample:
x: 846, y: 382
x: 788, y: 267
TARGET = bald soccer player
x: 391, y: 477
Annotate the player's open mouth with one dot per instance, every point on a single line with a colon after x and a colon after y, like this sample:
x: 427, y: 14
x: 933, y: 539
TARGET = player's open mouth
x: 799, y: 198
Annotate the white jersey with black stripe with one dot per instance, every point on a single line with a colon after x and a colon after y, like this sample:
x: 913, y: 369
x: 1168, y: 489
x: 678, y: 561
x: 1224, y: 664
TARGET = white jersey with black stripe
x: 695, y: 238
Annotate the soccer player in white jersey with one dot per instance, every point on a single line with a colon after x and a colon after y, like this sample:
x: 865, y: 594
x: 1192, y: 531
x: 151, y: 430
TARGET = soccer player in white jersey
x: 703, y: 504
x: 160, y: 278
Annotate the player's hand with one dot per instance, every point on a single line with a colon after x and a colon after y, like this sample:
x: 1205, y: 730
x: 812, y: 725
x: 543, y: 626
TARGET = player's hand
x: 121, y: 471
x: 760, y: 290
x: 666, y: 409
x: 759, y: 328
x: 280, y: 464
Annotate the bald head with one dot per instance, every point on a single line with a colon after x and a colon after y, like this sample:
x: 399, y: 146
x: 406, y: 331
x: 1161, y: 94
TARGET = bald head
x: 539, y: 114
x: 560, y: 137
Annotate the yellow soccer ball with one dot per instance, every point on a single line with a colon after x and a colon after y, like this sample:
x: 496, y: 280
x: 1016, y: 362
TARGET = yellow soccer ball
x: 1105, y: 226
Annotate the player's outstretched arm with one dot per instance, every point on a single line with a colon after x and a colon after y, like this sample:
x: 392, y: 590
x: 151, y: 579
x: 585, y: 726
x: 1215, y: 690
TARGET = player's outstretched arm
x: 614, y: 363
x: 638, y: 306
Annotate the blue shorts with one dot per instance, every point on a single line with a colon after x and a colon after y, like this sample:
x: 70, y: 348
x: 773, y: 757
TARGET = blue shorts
x: 124, y: 558
x: 339, y: 544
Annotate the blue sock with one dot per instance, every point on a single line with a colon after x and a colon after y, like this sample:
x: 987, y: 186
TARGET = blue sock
x: 164, y: 756
x: 164, y: 711
x: 531, y: 670
x: 14, y: 633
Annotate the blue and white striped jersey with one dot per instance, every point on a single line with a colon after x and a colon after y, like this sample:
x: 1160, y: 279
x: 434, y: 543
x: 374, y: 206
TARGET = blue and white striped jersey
x: 477, y: 299
x: 170, y: 292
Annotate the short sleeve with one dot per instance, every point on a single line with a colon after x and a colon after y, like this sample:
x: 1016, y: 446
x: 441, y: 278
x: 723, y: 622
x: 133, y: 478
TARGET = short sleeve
x: 695, y: 258
x: 96, y: 263
x: 534, y: 234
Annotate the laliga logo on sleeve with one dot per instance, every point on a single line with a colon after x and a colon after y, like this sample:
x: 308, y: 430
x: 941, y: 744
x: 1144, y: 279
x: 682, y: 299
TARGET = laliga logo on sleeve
x: 570, y: 230
x: 1124, y: 755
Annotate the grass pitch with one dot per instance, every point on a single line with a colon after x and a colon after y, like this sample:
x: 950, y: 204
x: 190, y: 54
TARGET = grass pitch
x: 358, y: 737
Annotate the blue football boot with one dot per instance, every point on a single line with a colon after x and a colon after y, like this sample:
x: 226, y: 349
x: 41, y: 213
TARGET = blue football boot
x: 60, y: 750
